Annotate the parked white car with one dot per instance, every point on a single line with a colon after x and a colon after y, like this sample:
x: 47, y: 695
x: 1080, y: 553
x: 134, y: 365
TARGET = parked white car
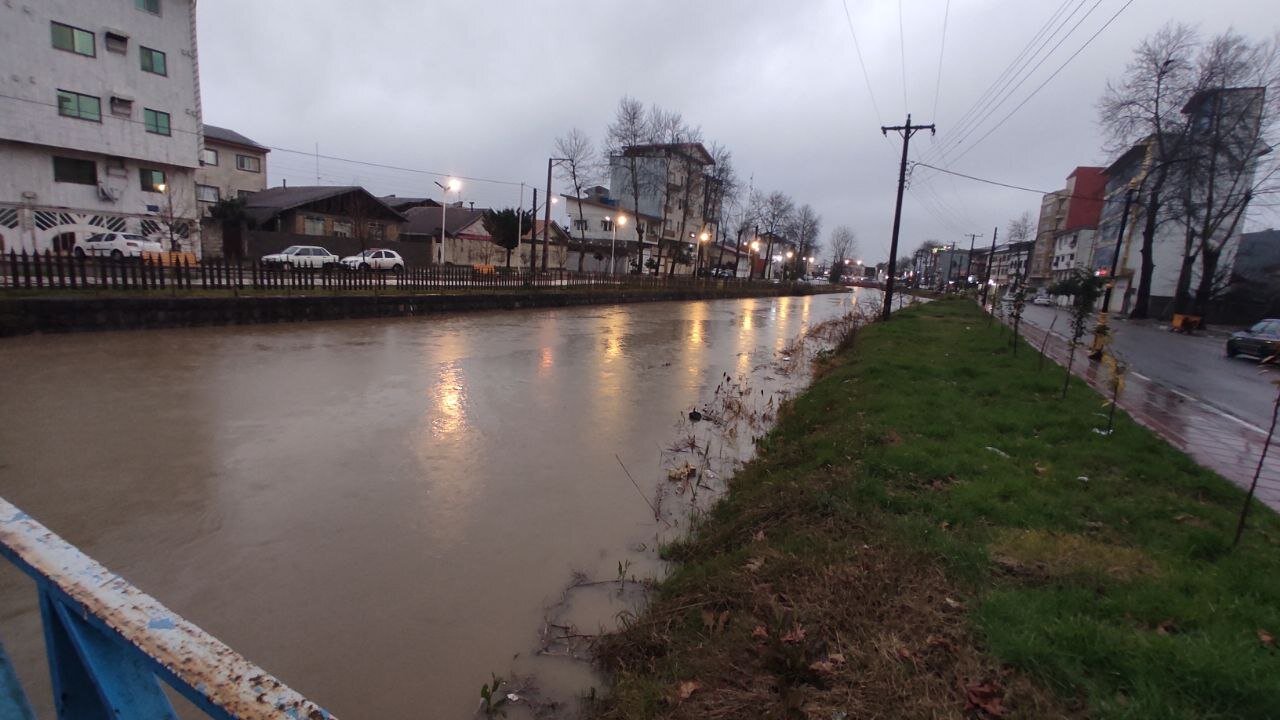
x: 116, y: 245
x: 1042, y: 300
x: 301, y: 256
x: 375, y: 259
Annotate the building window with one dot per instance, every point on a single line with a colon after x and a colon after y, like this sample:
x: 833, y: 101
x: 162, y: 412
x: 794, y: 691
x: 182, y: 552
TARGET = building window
x: 312, y: 225
x: 73, y: 39
x: 248, y: 163
x: 342, y: 228
x: 242, y: 194
x: 579, y: 224
x: 377, y: 231
x: 116, y: 168
x: 151, y: 6
x: 115, y: 42
x: 122, y: 107
x: 606, y: 225
x: 207, y: 193
x: 153, y: 61
x: 151, y: 180
x: 208, y: 157
x: 74, y: 170
x: 85, y: 107
x: 157, y: 122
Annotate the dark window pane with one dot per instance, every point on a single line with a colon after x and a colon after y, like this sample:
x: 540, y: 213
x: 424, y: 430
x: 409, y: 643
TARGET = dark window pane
x: 75, y: 170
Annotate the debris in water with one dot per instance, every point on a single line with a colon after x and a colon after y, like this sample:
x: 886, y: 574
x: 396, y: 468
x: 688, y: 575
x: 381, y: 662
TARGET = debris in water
x: 695, y: 416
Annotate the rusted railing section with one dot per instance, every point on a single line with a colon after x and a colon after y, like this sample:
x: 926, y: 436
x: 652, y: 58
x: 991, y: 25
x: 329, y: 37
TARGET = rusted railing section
x: 109, y: 644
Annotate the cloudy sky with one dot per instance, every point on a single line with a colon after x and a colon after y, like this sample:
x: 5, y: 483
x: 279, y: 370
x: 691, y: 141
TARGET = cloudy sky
x: 482, y: 89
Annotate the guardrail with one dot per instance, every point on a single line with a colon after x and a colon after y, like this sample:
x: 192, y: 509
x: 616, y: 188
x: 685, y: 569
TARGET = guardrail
x: 109, y: 644
x: 61, y: 271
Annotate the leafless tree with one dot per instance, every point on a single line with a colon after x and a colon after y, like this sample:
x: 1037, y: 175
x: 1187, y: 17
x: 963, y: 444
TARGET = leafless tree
x: 631, y: 127
x: 1228, y: 159
x: 776, y: 212
x: 1020, y: 228
x: 670, y: 128
x: 806, y: 224
x: 844, y: 244
x: 579, y: 167
x: 720, y: 192
x: 1145, y: 106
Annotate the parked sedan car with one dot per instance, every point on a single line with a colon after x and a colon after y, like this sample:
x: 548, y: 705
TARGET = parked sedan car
x: 301, y: 256
x: 1261, y: 340
x: 115, y: 245
x: 375, y: 259
x: 1042, y: 300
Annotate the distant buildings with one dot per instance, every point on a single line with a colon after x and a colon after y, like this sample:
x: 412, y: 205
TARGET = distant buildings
x: 1068, y: 222
x: 99, y: 121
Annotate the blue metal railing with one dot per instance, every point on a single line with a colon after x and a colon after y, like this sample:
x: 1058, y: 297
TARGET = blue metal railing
x: 109, y: 645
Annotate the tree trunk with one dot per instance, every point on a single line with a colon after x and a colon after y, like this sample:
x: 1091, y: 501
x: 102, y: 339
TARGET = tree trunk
x: 768, y: 258
x: 1182, y: 295
x: 1142, y: 301
x: 1208, y: 271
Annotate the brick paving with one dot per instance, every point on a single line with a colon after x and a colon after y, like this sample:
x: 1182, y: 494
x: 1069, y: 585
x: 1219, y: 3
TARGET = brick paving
x: 1218, y: 441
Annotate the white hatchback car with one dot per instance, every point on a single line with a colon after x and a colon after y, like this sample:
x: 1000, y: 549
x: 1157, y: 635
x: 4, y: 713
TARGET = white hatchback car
x: 301, y: 256
x: 375, y: 259
x: 116, y: 245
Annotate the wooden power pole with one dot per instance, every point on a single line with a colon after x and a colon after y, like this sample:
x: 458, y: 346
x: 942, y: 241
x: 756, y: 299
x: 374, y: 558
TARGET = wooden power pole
x: 907, y: 131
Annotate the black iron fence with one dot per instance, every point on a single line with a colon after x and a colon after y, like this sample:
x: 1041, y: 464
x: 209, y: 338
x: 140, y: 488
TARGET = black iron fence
x: 174, y: 272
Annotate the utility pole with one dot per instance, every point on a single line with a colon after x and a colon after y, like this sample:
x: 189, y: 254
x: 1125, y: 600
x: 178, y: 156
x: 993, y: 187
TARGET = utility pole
x: 533, y: 236
x: 968, y: 264
x: 546, y: 216
x: 907, y: 131
x: 1100, y: 331
x: 991, y: 258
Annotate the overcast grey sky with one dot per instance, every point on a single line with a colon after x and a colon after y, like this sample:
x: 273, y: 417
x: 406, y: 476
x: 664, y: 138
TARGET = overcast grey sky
x: 482, y: 89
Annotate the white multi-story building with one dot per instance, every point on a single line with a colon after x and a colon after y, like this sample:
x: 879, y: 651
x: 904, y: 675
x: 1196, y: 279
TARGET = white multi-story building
x: 99, y: 121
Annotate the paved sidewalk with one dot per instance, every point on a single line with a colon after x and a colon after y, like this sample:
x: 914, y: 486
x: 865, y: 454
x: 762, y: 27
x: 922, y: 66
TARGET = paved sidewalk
x: 1214, y: 439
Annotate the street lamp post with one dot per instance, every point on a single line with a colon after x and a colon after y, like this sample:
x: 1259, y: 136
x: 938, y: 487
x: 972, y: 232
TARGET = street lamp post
x: 452, y: 184
x: 751, y: 263
x: 168, y: 220
x: 613, y: 245
x: 702, y: 240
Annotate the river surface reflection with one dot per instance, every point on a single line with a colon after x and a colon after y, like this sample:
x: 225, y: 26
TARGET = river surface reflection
x: 378, y: 512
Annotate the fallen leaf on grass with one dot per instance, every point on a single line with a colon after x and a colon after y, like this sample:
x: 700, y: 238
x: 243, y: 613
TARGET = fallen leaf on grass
x: 1168, y: 627
x: 822, y: 667
x: 794, y: 636
x: 759, y: 536
x: 987, y: 697
x: 687, y: 689
x: 954, y: 604
x: 836, y: 658
x: 1266, y: 638
x: 754, y: 564
x: 904, y: 653
x: 760, y: 632
x: 1041, y: 470
x: 939, y: 641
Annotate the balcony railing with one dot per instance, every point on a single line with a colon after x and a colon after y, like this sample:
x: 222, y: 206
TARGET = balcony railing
x: 109, y: 645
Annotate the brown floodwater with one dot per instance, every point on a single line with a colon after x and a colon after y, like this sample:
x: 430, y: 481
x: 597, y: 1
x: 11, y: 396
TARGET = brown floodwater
x: 382, y: 513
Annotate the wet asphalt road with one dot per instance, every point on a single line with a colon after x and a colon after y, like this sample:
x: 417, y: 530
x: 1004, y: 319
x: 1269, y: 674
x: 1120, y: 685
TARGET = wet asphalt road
x: 1196, y: 365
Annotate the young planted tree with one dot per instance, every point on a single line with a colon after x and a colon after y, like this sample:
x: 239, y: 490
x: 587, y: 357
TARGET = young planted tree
x: 1145, y: 106
x: 631, y: 127
x: 1083, y: 288
x: 504, y: 227
x: 579, y: 167
x: 844, y: 244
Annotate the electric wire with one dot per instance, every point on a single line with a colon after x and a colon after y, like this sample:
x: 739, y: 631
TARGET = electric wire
x: 1046, y: 81
x: 1013, y: 68
x: 942, y: 48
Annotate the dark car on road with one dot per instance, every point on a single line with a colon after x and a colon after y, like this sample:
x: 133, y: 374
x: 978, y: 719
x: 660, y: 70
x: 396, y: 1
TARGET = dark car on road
x: 1262, y: 340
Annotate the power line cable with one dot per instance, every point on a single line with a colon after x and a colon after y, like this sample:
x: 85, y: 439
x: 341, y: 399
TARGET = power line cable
x: 955, y: 144
x: 307, y: 153
x: 942, y: 48
x: 1013, y: 68
x: 858, y: 51
x: 902, y: 50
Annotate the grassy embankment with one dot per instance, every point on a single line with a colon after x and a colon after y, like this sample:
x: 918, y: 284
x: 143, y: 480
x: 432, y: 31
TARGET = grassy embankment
x: 881, y: 559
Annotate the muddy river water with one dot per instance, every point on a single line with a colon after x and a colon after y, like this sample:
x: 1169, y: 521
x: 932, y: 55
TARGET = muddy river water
x: 382, y: 513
